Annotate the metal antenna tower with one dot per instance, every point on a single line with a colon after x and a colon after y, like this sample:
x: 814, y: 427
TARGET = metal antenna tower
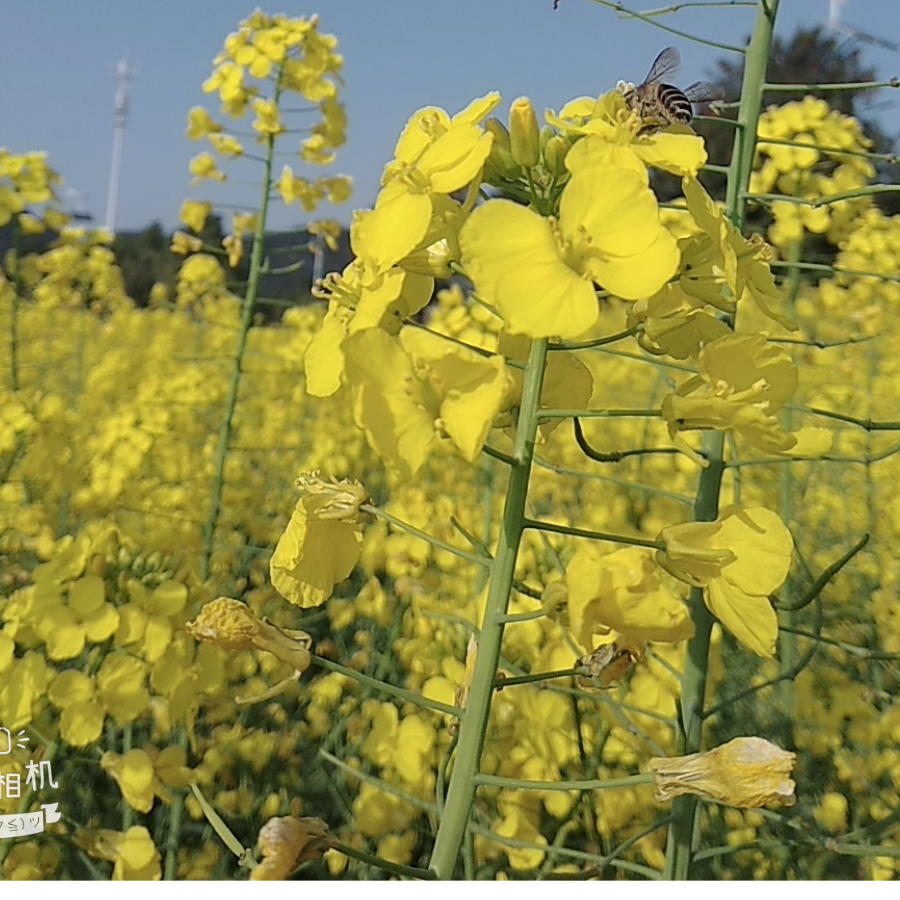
x: 836, y: 24
x: 125, y: 74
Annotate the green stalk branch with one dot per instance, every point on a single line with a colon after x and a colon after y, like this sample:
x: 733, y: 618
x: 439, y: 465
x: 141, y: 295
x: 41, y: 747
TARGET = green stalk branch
x: 594, y: 535
x: 870, y: 191
x: 835, y: 86
x: 256, y: 265
x: 685, y: 811
x: 473, y: 724
x: 650, y: 20
x: 519, y: 784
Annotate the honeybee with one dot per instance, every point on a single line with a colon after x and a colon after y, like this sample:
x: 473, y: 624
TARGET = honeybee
x: 660, y: 104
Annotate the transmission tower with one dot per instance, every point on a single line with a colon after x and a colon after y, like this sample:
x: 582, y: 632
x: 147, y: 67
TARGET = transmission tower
x: 835, y: 23
x: 125, y: 74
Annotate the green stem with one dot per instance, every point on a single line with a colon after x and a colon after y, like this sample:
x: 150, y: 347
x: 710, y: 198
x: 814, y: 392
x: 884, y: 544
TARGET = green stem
x: 256, y: 265
x: 473, y: 725
x: 693, y: 687
x: 752, y: 88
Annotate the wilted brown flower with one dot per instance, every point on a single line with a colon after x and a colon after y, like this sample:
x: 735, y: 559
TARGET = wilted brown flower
x: 747, y: 772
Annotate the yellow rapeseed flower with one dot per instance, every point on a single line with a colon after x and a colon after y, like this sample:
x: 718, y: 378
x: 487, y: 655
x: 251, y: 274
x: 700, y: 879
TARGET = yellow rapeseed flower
x: 738, y: 560
x: 407, y: 394
x: 621, y: 592
x: 540, y: 273
x: 321, y: 544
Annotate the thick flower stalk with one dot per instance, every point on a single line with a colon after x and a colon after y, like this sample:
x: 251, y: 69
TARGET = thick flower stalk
x: 281, y: 57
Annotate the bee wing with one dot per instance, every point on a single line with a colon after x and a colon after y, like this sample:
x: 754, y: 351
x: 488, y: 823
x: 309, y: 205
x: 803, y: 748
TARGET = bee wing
x: 665, y: 67
x: 703, y: 92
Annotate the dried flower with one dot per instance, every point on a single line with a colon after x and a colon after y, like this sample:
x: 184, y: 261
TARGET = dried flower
x: 231, y: 625
x: 747, y: 772
x: 287, y: 841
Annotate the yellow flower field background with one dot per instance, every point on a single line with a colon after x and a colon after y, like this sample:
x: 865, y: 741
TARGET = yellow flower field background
x: 436, y: 582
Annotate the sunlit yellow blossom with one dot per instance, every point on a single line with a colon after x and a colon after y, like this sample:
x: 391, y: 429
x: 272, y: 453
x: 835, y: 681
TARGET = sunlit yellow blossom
x: 321, y: 544
x: 241, y: 224
x: 194, y: 214
x: 226, y: 145
x: 613, y: 138
x: 55, y: 219
x: 133, y: 852
x: 426, y: 128
x: 409, y: 393
x: 327, y: 134
x: 201, y: 124
x: 330, y: 230
x: 746, y: 772
x: 268, y: 120
x: 403, y: 745
x: 32, y: 224
x: 228, y: 81
x: 672, y: 324
x: 540, y: 274
x: 183, y: 243
x: 831, y: 812
x: 286, y: 842
x: 142, y: 776
x: 621, y: 592
x: 87, y: 616
x: 121, y: 686
x: 382, y: 302
x: 723, y: 267
x: 738, y: 560
x: 743, y: 382
x: 204, y: 166
x: 435, y: 156
x: 377, y: 812
x: 83, y: 715
x: 518, y: 826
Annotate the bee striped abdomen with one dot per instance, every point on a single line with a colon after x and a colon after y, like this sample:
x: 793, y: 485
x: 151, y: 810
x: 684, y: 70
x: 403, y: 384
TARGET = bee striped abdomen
x: 660, y: 104
x: 675, y: 103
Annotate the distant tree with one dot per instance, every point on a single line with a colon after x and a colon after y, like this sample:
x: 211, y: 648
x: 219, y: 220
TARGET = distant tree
x: 809, y: 56
x: 145, y: 258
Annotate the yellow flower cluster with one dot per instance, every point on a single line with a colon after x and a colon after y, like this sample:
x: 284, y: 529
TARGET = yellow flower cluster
x: 26, y: 180
x: 109, y: 643
x: 264, y: 63
x: 809, y: 151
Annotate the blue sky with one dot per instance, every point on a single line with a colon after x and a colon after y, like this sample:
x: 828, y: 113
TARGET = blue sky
x: 57, y: 61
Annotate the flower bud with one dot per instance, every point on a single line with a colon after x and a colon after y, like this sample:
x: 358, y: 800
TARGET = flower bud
x: 500, y: 164
x: 524, y: 133
x: 500, y: 132
x: 555, y: 151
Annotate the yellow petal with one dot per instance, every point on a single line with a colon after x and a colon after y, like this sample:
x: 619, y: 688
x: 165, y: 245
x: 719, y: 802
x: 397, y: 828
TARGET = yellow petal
x: 750, y: 618
x: 763, y: 547
x: 386, y: 234
x: 641, y: 274
x: 613, y: 206
x: 511, y: 255
x: 397, y: 422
